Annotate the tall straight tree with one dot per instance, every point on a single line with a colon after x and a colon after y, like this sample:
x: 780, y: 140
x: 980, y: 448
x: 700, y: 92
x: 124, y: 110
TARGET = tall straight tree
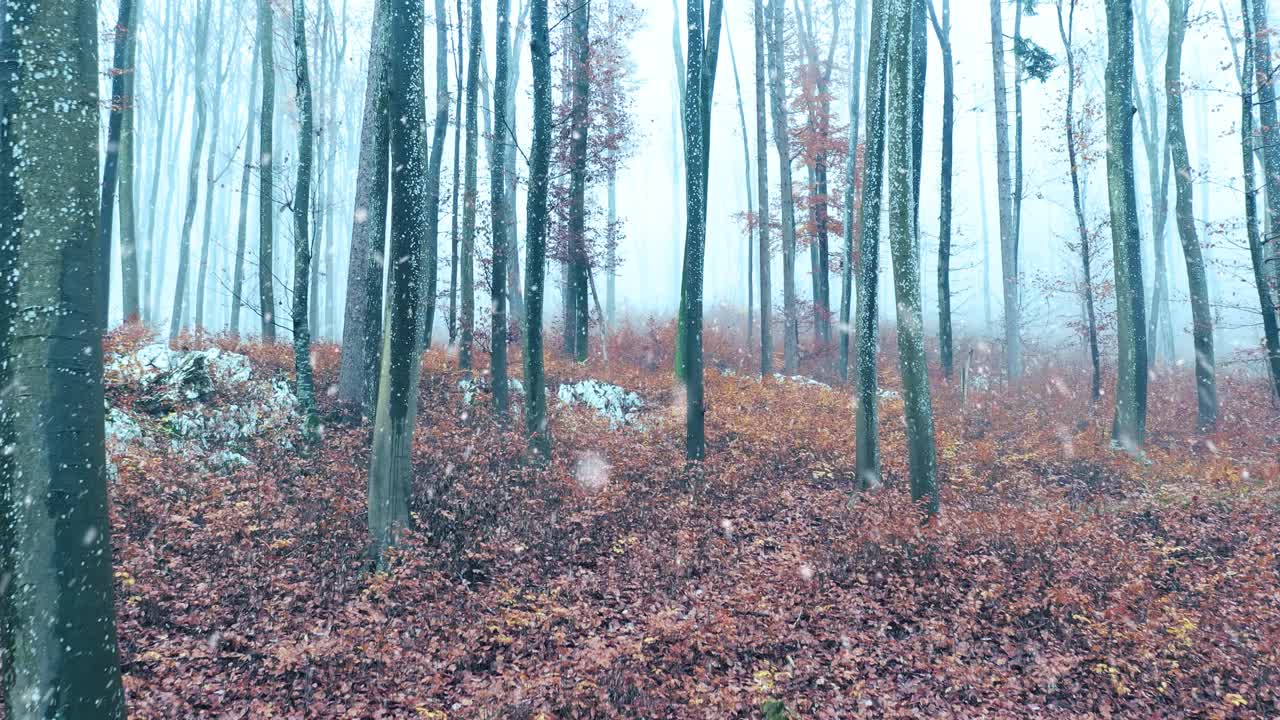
x: 867, y: 326
x: 1269, y: 130
x: 242, y: 222
x: 266, y: 172
x: 1201, y: 314
x: 59, y: 633
x: 362, y: 317
x: 942, y: 29
x: 1129, y: 430
x: 457, y: 183
x: 535, y: 406
x: 1257, y: 252
x: 700, y: 84
x: 390, y: 465
x: 577, y: 313
x: 193, y: 169
x: 851, y: 174
x: 120, y: 101
x: 1159, y: 317
x: 762, y: 192
x: 1004, y: 185
x: 917, y: 405
x: 431, y: 202
x: 497, y: 189
x: 1067, y: 31
x: 782, y: 139
x: 301, y: 210
x: 211, y: 172
x: 129, y: 276
x: 746, y: 176
x: 515, y: 296
x: 466, y: 259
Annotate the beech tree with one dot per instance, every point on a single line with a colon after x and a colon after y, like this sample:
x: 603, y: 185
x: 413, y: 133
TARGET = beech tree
x: 193, y: 173
x: 59, y: 630
x: 775, y: 30
x: 1129, y: 430
x: 266, y: 172
x: 762, y: 191
x: 535, y: 401
x: 1005, y: 192
x: 466, y: 259
x: 498, y: 206
x: 390, y: 465
x: 120, y: 102
x: 301, y: 234
x: 942, y: 30
x: 850, y: 181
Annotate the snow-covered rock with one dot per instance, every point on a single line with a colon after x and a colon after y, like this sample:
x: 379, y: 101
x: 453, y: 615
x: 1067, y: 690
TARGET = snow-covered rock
x: 800, y: 380
x: 610, y: 402
x: 122, y: 430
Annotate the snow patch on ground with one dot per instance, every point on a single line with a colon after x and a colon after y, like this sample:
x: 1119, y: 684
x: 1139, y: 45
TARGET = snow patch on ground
x: 610, y: 402
x: 800, y: 380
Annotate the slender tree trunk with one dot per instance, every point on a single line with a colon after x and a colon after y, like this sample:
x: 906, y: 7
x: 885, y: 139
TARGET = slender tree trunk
x: 700, y: 83
x: 851, y: 174
x: 917, y: 405
x: 919, y: 68
x: 301, y: 234
x: 120, y: 102
x: 1004, y: 183
x: 431, y: 203
x: 242, y: 224
x: 457, y: 185
x: 515, y: 296
x: 362, y: 319
x: 762, y: 194
x: 1131, y: 387
x: 211, y: 177
x: 746, y: 165
x: 1201, y: 316
x: 497, y: 189
x: 59, y: 633
x: 1270, y: 133
x: 986, y: 231
x: 782, y: 139
x: 266, y: 173
x: 466, y: 260
x: 129, y: 280
x: 942, y: 28
x: 535, y: 404
x: 579, y: 120
x: 1086, y: 252
x: 390, y: 465
x: 162, y: 90
x: 193, y: 172
x: 867, y: 319
x: 1257, y: 255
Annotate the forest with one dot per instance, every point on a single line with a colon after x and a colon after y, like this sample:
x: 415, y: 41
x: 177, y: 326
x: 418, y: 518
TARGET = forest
x: 541, y: 359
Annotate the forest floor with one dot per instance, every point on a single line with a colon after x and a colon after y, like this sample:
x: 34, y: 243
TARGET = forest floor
x: 1062, y: 579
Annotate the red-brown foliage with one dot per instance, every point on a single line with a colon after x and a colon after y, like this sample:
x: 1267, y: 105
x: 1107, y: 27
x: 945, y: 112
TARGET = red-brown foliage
x: 1062, y: 579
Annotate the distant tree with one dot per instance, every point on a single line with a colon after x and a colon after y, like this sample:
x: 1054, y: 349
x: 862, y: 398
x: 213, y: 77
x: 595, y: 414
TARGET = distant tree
x: 1159, y: 317
x: 867, y: 461
x: 1067, y: 31
x: 470, y: 193
x: 1004, y: 189
x: 942, y: 30
x: 578, y: 130
x: 700, y: 83
x: 193, y: 172
x: 498, y: 203
x: 266, y: 173
x: 428, y: 261
x: 1129, y: 431
x: 746, y: 176
x: 211, y: 171
x: 390, y: 465
x: 782, y: 139
x: 917, y: 405
x: 301, y: 212
x: 242, y: 224
x: 850, y: 182
x: 362, y: 319
x: 535, y: 406
x: 762, y: 191
x: 1269, y: 130
x: 58, y: 630
x: 121, y: 100
x: 1202, y: 316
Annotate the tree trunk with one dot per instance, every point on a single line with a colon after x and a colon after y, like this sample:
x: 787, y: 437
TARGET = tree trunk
x: 867, y: 319
x: 498, y: 202
x: 1270, y: 131
x: 697, y: 112
x: 851, y: 173
x: 782, y: 139
x: 1086, y: 252
x: 431, y: 203
x: 746, y: 169
x: 1201, y: 316
x: 237, y: 283
x: 467, y: 262
x: 942, y: 28
x: 457, y: 184
x: 211, y: 176
x: 390, y: 465
x: 515, y: 296
x: 129, y: 279
x: 362, y: 318
x: 193, y: 173
x: 535, y: 404
x: 1004, y: 183
x: 120, y: 102
x: 580, y: 98
x: 917, y: 405
x: 1257, y: 256
x: 301, y: 235
x: 762, y: 195
x: 1129, y: 431
x: 59, y: 633
x: 266, y: 173
x: 919, y: 66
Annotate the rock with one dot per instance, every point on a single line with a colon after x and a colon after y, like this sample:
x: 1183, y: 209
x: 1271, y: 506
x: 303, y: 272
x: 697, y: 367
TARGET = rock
x: 610, y: 402
x: 800, y: 380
